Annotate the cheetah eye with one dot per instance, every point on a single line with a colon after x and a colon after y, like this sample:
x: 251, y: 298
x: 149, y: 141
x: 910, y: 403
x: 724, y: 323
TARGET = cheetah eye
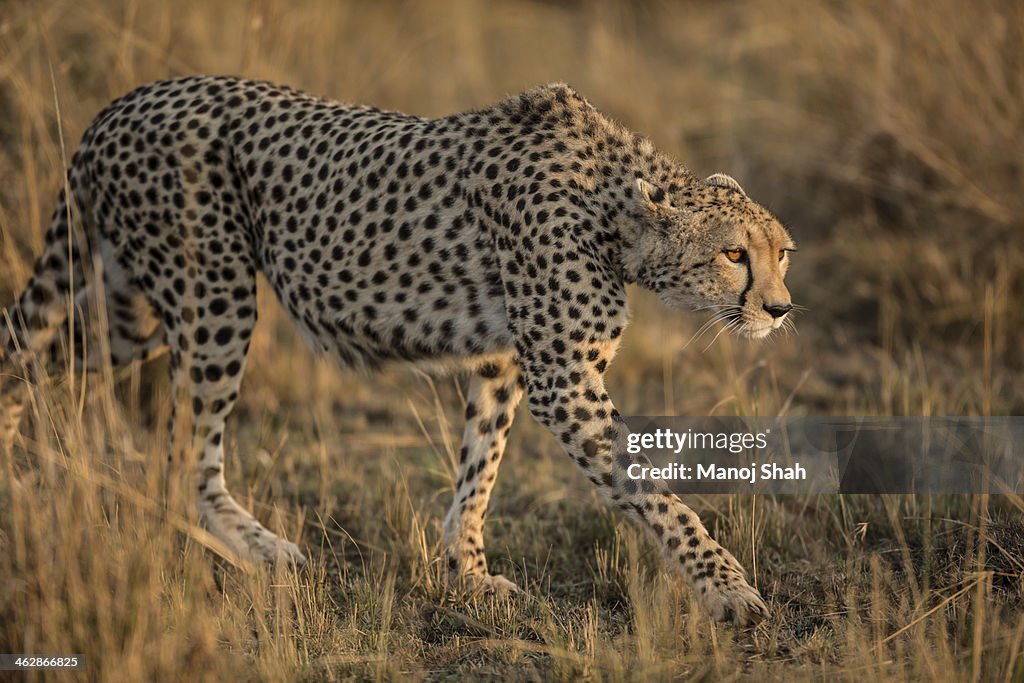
x: 736, y: 255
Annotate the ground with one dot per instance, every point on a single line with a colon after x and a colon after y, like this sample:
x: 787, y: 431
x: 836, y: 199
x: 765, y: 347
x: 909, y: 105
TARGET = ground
x: 901, y: 187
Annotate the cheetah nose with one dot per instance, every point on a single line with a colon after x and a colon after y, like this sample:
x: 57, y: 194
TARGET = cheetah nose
x: 778, y: 310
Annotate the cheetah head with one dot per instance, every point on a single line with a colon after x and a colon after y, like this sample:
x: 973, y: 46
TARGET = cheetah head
x: 707, y: 246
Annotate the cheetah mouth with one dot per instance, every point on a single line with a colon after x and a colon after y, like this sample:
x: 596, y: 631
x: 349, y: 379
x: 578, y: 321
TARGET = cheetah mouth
x: 730, y: 320
x: 758, y: 332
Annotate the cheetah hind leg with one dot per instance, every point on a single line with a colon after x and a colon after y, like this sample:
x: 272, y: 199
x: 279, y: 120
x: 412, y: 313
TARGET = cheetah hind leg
x: 205, y: 385
x: 212, y: 394
x: 12, y: 405
x: 493, y: 395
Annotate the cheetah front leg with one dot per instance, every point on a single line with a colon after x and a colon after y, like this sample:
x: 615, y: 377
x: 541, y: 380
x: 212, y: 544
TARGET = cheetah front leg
x: 494, y: 393
x: 571, y: 402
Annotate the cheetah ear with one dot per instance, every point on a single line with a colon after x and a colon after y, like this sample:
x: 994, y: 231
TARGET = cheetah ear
x: 726, y: 181
x: 653, y: 196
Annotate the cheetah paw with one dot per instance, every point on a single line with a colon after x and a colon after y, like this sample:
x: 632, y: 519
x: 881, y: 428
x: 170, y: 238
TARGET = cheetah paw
x: 488, y: 584
x: 271, y: 550
x: 739, y: 603
x: 250, y: 540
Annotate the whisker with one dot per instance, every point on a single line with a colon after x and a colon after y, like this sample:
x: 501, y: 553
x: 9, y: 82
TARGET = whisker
x: 732, y: 324
x: 730, y: 314
x: 703, y: 328
x: 712, y: 342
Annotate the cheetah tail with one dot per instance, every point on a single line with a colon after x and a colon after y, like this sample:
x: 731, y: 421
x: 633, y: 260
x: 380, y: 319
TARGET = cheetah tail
x: 29, y: 325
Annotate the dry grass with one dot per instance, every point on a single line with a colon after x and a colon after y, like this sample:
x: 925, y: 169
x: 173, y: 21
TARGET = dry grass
x: 887, y: 135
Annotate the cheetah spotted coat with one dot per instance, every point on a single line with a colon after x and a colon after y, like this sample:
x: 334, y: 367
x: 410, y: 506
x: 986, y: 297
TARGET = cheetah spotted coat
x: 501, y: 239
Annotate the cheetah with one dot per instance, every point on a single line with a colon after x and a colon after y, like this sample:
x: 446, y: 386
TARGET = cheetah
x: 500, y: 240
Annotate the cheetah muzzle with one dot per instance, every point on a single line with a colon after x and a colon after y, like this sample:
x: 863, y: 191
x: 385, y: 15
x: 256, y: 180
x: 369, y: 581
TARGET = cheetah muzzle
x: 502, y: 238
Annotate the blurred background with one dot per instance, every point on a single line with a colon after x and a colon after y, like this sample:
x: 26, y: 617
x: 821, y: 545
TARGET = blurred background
x: 888, y: 136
